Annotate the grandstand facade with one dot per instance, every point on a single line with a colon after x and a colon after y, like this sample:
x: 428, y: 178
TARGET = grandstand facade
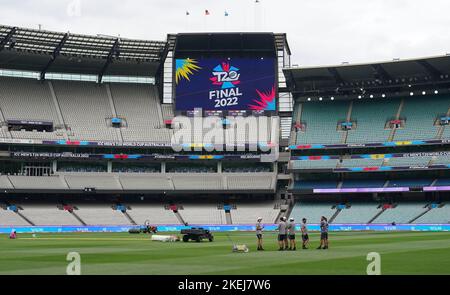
x: 87, y: 128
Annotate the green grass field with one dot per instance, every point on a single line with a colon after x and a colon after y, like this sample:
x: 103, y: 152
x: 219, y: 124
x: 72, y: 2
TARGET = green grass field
x: 122, y: 253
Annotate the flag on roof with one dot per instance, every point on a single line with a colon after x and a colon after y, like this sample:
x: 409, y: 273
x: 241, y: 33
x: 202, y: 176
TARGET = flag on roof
x: 206, y: 12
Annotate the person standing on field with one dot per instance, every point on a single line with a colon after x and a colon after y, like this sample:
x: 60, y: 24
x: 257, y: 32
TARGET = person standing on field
x: 259, y: 236
x: 305, y: 237
x: 291, y: 234
x: 282, y: 232
x: 323, y: 233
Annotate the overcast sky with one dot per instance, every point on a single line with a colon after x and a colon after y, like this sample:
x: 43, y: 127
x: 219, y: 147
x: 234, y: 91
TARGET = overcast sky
x: 320, y: 32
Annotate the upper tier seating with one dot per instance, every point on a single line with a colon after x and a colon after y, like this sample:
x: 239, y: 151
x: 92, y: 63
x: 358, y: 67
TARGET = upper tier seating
x: 321, y: 120
x: 371, y: 117
x: 85, y: 108
x: 139, y: 104
x: 420, y: 114
x: 26, y: 99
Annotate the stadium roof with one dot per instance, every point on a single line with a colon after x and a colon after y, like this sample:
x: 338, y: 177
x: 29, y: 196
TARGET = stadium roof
x: 46, y: 51
x: 349, y: 80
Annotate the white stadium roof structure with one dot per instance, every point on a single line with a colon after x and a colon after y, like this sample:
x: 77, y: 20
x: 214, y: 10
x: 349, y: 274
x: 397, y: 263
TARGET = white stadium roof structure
x: 57, y: 52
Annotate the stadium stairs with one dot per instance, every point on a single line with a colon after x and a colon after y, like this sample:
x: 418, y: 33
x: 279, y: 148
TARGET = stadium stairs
x: 285, y: 207
x: 377, y: 215
x: 71, y: 210
x: 77, y: 217
x: 178, y: 215
x: 228, y: 218
x: 25, y: 218
x: 332, y: 218
x: 130, y: 219
x: 290, y: 206
x: 18, y: 208
x: 428, y: 209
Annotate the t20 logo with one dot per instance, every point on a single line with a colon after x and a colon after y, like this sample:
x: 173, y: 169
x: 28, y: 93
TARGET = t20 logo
x: 225, y: 75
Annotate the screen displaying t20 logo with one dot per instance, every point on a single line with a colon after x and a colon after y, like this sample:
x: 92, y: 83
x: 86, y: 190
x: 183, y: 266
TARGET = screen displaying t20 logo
x: 225, y: 84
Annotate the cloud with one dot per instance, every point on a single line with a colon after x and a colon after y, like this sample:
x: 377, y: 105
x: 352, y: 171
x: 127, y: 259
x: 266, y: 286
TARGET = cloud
x: 319, y: 31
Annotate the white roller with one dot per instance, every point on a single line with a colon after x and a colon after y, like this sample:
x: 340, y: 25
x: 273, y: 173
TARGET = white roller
x: 161, y: 238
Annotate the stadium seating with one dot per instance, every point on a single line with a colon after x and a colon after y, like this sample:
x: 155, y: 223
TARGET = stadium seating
x: 85, y: 108
x: 403, y: 213
x: 26, y: 99
x: 312, y: 211
x: 436, y: 215
x: 247, y: 213
x: 357, y: 213
x: 321, y: 121
x: 142, y: 181
x: 204, y: 182
x: 420, y: 114
x: 371, y: 117
x: 349, y: 163
x: 202, y: 213
x: 8, y: 217
x: 139, y: 105
x: 409, y: 161
x: 441, y: 160
x: 316, y: 164
x: 45, y: 214
x: 154, y: 213
x: 101, y: 214
x: 25, y: 182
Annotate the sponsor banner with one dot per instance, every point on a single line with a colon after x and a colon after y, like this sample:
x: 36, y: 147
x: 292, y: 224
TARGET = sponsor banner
x: 364, y: 145
x: 20, y: 141
x: 224, y: 228
x: 372, y: 156
x: 28, y: 122
x: 360, y: 190
x: 436, y: 188
x: 390, y: 168
x: 49, y: 155
x: 155, y: 157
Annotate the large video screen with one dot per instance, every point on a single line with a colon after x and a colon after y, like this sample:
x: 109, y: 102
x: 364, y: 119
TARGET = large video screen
x: 225, y: 84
